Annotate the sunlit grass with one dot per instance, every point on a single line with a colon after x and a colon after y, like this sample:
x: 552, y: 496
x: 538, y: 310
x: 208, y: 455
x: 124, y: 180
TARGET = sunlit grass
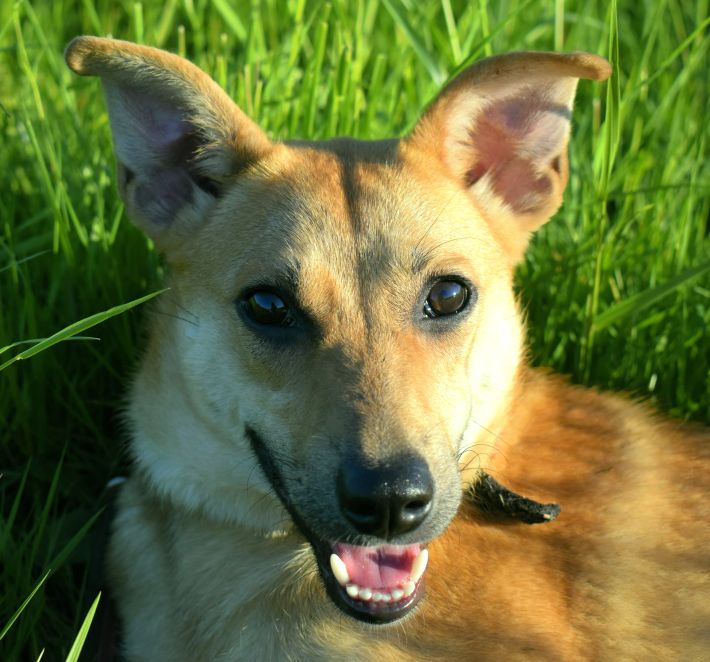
x: 615, y: 288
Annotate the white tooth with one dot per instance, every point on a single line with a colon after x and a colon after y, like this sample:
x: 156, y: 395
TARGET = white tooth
x: 397, y: 594
x: 386, y: 597
x: 377, y: 596
x: 409, y: 589
x: 353, y: 590
x: 339, y: 569
x: 365, y: 594
x: 419, y: 566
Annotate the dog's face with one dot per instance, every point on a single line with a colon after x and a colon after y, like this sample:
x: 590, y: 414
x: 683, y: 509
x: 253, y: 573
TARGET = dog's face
x: 341, y: 313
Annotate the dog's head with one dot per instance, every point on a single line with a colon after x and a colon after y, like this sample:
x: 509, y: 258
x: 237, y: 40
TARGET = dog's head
x: 341, y: 331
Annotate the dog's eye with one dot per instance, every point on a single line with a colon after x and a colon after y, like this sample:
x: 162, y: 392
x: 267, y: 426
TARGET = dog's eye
x: 446, y: 297
x: 268, y: 308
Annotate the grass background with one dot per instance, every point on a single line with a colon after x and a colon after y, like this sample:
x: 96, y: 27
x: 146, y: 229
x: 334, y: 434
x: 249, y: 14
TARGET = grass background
x: 616, y: 287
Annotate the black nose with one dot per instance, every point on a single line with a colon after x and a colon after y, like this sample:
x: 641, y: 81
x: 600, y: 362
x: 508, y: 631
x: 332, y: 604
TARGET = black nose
x: 388, y: 499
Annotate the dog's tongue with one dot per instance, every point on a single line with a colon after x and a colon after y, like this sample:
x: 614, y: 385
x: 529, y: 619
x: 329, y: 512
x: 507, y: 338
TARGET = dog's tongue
x: 378, y: 567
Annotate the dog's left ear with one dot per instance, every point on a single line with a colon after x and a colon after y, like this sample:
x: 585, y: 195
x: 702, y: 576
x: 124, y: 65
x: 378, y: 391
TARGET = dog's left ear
x: 500, y: 129
x: 179, y: 138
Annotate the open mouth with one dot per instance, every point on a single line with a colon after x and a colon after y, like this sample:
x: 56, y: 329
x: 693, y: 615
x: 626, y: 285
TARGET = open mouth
x: 375, y: 584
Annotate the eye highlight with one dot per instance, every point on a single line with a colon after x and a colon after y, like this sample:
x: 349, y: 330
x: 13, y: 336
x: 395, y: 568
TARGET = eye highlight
x: 446, y: 297
x: 267, y: 308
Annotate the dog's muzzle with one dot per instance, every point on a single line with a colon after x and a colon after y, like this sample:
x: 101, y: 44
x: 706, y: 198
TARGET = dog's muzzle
x: 381, y: 581
x: 383, y: 501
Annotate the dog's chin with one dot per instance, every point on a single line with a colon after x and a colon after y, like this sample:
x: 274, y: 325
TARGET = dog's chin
x: 375, y: 584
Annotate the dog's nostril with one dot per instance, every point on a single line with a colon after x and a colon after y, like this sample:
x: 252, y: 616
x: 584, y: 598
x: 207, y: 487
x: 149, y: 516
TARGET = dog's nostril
x: 366, y: 517
x: 416, y: 506
x: 406, y: 515
x: 361, y: 508
x: 385, y: 500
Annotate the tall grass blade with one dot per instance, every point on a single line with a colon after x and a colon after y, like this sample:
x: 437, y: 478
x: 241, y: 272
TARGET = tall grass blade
x: 8, y: 523
x: 398, y: 14
x: 24, y: 604
x: 78, y: 644
x: 34, y: 341
x: 637, y: 302
x: 231, y: 18
x: 82, y: 325
x: 70, y: 546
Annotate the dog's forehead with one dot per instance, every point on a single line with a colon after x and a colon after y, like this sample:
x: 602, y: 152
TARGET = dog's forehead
x: 343, y: 210
x: 355, y: 196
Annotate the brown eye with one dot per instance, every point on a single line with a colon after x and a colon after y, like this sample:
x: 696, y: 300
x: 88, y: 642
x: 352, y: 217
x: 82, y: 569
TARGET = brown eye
x: 268, y: 308
x: 446, y: 297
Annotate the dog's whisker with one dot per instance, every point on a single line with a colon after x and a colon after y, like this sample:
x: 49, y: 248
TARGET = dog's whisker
x: 162, y: 313
x: 179, y: 305
x: 497, y: 436
x: 440, y: 215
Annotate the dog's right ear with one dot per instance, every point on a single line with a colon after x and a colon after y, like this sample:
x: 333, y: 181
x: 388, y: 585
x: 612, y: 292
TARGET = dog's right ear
x: 500, y: 131
x: 178, y: 136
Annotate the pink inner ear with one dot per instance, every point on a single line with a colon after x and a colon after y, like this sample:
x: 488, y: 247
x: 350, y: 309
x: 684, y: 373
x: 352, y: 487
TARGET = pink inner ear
x: 160, y: 123
x: 163, y: 194
x: 516, y: 141
x: 158, y: 148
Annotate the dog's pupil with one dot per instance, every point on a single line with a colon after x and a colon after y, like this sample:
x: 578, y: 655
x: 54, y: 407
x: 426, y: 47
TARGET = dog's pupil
x: 447, y: 297
x: 267, y: 308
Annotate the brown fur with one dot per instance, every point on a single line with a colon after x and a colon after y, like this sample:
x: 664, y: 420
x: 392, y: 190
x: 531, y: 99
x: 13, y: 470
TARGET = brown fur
x: 205, y: 561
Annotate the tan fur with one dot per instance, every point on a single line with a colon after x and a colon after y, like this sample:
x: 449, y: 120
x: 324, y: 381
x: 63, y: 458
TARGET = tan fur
x: 205, y: 561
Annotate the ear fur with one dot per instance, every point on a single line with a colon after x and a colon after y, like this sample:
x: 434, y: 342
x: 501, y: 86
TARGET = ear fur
x: 178, y: 136
x: 501, y: 128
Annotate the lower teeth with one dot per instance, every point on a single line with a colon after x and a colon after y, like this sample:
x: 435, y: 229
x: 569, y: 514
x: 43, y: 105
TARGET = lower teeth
x: 368, y: 595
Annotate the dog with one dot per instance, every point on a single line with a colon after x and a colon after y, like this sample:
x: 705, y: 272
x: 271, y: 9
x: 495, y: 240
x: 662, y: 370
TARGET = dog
x: 338, y: 372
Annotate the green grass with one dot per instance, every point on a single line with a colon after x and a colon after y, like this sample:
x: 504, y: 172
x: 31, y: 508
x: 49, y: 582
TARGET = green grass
x: 616, y: 287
